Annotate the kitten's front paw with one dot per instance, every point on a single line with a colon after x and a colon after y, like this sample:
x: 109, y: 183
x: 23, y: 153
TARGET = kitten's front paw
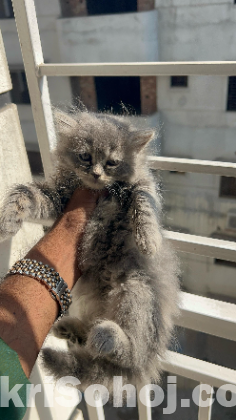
x: 9, y: 224
x: 16, y: 208
x: 148, y: 244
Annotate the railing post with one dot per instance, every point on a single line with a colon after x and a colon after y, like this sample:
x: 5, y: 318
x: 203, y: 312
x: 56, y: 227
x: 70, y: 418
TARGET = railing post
x: 204, y: 413
x: 144, y: 409
x: 28, y: 32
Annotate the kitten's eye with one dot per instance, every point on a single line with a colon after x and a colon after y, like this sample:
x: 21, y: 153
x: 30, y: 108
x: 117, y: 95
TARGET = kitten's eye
x: 86, y: 157
x: 112, y: 163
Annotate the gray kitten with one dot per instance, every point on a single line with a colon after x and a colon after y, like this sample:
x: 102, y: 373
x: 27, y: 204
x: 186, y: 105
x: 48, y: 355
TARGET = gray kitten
x: 126, y: 299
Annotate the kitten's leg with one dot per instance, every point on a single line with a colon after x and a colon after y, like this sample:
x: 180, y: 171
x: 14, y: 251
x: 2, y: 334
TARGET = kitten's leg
x: 147, y: 229
x: 59, y: 363
x: 33, y: 201
x: 132, y: 337
x: 71, y: 329
x: 78, y: 363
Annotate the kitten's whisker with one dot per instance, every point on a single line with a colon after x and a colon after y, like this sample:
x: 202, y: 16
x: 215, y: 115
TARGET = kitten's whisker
x: 65, y: 123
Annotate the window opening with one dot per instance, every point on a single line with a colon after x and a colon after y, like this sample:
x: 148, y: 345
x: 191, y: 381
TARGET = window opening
x: 231, y: 100
x: 6, y: 10
x: 103, y: 7
x: 227, y: 187
x: 179, y: 81
x: 19, y: 93
x: 35, y: 162
x: 113, y: 91
x: 225, y: 263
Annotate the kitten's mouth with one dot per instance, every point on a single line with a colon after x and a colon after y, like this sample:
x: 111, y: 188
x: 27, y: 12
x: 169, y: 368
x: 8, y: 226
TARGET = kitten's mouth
x: 95, y: 184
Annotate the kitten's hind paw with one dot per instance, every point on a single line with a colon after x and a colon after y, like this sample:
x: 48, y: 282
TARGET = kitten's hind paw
x: 56, y: 363
x: 101, y: 340
x: 48, y: 357
x: 108, y: 340
x: 60, y: 331
x: 71, y: 329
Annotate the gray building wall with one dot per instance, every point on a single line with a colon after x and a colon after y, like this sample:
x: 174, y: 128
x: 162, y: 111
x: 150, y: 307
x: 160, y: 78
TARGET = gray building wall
x: 195, y: 124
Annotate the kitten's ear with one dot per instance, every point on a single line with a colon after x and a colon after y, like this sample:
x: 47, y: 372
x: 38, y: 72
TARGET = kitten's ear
x: 142, y: 138
x: 65, y: 123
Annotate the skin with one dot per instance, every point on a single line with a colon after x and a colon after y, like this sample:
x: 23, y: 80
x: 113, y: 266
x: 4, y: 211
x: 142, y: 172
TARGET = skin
x: 27, y: 310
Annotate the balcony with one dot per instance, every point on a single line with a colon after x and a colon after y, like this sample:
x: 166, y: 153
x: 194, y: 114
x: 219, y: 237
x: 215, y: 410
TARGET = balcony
x: 200, y: 314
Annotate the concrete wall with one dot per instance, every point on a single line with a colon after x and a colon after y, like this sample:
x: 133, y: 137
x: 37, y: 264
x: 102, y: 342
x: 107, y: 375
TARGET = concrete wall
x: 204, y: 277
x: 5, y: 81
x: 193, y: 203
x: 109, y: 38
x: 198, y: 30
x: 195, y: 124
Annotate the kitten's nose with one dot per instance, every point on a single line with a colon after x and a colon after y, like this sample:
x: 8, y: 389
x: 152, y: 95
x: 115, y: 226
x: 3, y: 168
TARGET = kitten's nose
x: 97, y: 171
x: 96, y: 176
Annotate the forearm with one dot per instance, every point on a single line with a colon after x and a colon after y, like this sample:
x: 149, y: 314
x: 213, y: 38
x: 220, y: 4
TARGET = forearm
x: 27, y: 310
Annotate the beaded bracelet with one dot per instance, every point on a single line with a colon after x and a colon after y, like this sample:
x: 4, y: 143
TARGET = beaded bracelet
x: 56, y: 285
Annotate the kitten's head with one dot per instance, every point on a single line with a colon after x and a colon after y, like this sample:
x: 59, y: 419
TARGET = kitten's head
x: 100, y: 148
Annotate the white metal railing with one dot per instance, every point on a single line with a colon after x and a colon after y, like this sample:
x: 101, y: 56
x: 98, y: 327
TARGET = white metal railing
x: 199, y: 370
x: 193, y: 165
x: 207, y: 315
x: 27, y: 27
x: 200, y: 245
x: 197, y: 313
x: 220, y: 68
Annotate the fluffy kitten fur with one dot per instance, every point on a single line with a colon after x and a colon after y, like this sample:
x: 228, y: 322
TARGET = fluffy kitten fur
x: 126, y: 299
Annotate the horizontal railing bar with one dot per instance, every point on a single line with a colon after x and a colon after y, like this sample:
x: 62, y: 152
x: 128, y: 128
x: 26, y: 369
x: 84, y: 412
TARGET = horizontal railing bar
x: 193, y: 165
x: 200, y: 245
x: 198, y: 370
x: 192, y: 244
x: 207, y: 315
x: 222, y: 68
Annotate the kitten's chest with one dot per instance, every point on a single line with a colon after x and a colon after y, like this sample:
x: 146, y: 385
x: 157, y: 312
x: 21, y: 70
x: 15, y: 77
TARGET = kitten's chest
x: 110, y: 227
